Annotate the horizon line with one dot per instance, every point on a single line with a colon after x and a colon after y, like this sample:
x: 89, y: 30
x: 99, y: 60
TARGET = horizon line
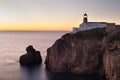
x: 34, y: 30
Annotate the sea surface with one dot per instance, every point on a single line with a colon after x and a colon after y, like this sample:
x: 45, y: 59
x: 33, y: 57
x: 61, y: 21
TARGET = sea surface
x: 13, y: 45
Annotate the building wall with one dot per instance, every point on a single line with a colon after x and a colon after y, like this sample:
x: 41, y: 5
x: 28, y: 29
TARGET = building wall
x: 91, y: 25
x: 110, y: 27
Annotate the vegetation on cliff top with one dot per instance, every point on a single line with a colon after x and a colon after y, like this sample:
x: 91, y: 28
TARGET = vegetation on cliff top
x: 97, y: 33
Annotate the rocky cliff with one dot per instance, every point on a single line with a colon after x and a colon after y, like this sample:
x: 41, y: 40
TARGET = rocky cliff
x: 112, y: 56
x: 86, y: 52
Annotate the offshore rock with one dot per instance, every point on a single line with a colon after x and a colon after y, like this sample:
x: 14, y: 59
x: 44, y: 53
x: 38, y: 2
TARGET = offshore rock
x: 31, y: 57
x: 86, y: 52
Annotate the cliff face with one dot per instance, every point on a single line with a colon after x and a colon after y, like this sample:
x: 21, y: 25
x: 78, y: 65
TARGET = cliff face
x: 112, y: 64
x: 84, y: 53
x: 112, y: 56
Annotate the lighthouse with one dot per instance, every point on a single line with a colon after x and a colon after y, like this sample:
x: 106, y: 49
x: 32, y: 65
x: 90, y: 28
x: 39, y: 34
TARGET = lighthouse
x: 85, y: 18
x: 90, y: 25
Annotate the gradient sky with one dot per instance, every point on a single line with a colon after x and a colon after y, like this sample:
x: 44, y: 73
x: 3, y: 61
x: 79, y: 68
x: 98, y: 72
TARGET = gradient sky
x: 55, y: 14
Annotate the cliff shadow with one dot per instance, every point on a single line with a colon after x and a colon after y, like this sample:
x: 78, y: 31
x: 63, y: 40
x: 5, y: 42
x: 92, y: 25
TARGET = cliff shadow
x: 69, y: 76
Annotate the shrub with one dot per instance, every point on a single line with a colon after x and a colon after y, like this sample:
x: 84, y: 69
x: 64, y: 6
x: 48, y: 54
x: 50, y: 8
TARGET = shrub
x: 97, y: 33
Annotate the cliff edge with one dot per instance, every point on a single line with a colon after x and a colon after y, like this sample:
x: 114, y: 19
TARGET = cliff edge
x: 86, y: 52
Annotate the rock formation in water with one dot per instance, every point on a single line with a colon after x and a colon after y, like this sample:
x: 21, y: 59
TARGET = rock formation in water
x: 86, y: 52
x: 31, y: 57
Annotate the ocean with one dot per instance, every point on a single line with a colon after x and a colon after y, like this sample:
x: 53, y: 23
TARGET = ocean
x: 13, y: 45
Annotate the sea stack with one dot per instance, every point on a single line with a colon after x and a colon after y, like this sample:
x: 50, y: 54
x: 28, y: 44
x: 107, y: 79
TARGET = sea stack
x: 31, y: 57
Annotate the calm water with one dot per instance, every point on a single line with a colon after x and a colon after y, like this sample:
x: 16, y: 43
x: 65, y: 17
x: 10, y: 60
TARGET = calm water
x: 13, y: 44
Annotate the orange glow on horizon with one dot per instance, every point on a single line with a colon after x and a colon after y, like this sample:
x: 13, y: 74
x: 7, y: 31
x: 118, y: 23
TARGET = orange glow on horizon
x: 35, y: 27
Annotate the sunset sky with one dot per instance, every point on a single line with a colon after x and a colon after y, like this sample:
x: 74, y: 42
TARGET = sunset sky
x: 55, y: 14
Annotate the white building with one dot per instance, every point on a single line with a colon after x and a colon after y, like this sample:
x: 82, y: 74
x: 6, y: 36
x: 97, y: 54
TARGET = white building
x: 89, y: 25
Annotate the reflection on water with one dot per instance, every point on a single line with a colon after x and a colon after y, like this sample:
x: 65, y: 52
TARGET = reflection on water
x: 30, y: 72
x: 38, y: 72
